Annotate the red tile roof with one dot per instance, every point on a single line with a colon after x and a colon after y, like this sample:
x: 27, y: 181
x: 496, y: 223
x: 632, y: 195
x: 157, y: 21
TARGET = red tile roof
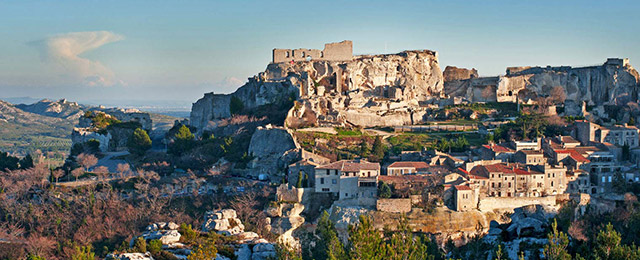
x: 573, y: 154
x: 498, y: 148
x: 462, y: 187
x: 416, y: 165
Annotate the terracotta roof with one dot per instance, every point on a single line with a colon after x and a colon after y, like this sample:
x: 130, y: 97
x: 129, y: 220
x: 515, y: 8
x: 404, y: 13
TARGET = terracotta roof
x: 417, y: 165
x: 351, y: 166
x: 498, y: 148
x: 573, y: 154
x: 462, y: 187
x: 521, y: 172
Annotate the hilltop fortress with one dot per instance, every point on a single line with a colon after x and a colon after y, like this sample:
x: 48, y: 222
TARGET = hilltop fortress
x: 333, y: 87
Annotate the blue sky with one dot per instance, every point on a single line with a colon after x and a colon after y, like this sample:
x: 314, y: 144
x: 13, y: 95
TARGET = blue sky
x: 178, y: 50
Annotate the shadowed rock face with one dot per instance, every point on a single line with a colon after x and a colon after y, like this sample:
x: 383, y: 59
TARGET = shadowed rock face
x: 362, y: 91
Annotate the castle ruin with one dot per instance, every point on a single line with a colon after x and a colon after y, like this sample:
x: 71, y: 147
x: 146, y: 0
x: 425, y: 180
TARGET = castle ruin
x: 337, y: 51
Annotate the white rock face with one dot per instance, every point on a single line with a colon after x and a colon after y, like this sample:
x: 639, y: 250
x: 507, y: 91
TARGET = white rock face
x: 377, y: 90
x: 167, y: 233
x: 615, y: 82
x: 223, y: 222
x: 130, y: 256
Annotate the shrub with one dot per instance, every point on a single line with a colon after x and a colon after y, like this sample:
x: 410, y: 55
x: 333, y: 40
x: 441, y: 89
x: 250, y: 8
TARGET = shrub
x: 188, y: 234
x: 140, y: 245
x: 154, y: 246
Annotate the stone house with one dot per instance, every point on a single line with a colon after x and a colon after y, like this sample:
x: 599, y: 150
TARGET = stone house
x: 350, y: 179
x: 518, y: 180
x: 495, y: 152
x: 588, y: 132
x: 306, y: 165
x: 464, y: 198
x: 402, y: 168
x: 578, y: 181
x: 533, y: 157
x: 527, y: 145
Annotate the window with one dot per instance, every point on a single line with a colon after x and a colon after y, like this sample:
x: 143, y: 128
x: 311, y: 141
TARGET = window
x: 346, y: 195
x: 325, y: 189
x: 609, y: 178
x: 603, y: 179
x: 321, y: 180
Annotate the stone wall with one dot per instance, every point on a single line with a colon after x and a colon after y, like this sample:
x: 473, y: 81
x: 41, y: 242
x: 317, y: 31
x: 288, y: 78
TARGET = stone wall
x: 454, y: 73
x: 284, y: 193
x: 493, y: 203
x: 337, y: 51
x: 394, y: 205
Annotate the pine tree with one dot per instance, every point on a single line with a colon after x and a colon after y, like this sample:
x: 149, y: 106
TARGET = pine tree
x: 556, y: 249
x: 182, y: 141
x: 26, y: 162
x: 365, y: 241
x: 139, y: 142
x: 328, y: 246
x: 378, y: 148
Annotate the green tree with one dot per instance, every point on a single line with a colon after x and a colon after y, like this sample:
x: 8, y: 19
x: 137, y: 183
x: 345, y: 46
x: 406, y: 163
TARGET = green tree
x: 182, y: 141
x: 403, y: 244
x: 365, y: 241
x: 378, y: 148
x: 556, y: 248
x: 26, y: 162
x: 8, y: 162
x: 140, y: 245
x: 384, y: 191
x: 364, y: 148
x: 235, y: 105
x: 607, y: 246
x: 83, y: 253
x: 139, y: 142
x: 328, y: 246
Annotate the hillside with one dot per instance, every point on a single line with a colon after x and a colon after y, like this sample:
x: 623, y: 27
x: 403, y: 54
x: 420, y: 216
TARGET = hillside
x: 22, y: 132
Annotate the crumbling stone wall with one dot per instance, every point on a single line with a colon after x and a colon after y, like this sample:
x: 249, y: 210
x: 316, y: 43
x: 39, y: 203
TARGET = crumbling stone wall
x: 394, y: 205
x: 492, y: 203
x: 337, y: 51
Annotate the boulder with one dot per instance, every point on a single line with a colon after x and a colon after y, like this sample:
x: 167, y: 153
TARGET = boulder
x: 263, y: 251
x: 130, y: 256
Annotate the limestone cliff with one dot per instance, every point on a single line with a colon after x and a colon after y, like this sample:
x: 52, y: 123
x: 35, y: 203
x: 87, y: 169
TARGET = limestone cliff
x: 369, y: 90
x: 615, y: 82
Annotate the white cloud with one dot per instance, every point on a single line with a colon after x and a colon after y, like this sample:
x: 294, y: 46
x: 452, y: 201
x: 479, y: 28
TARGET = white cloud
x: 61, y: 53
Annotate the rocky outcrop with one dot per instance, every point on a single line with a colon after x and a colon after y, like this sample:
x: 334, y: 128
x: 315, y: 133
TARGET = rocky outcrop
x: 130, y: 256
x: 272, y: 148
x: 83, y: 135
x: 452, y: 73
x: 264, y: 139
x: 224, y: 222
x: 615, y: 82
x: 284, y: 218
x: 258, y: 91
x: 167, y: 233
x: 368, y: 90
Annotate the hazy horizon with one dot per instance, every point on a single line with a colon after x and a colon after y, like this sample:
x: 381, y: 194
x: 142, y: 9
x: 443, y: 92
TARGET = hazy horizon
x: 155, y: 51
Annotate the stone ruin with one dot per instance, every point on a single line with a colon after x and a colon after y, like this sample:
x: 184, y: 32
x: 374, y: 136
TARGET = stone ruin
x: 337, y: 51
